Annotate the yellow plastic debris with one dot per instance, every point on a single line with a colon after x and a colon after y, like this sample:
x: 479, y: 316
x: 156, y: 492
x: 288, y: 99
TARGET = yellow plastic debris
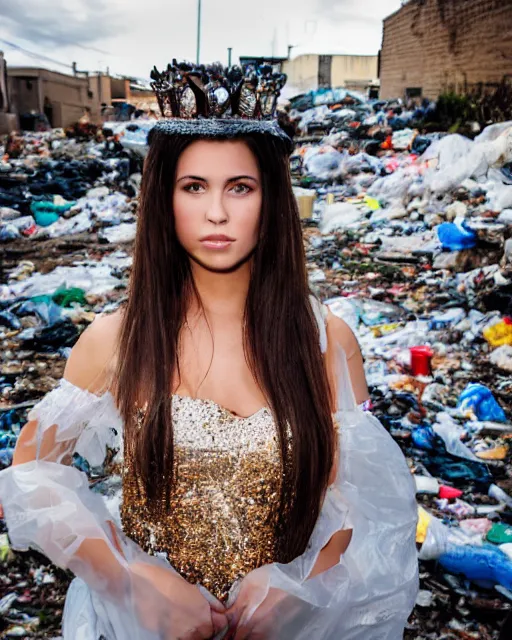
x: 423, y: 524
x: 373, y: 203
x: 499, y: 334
x: 498, y: 453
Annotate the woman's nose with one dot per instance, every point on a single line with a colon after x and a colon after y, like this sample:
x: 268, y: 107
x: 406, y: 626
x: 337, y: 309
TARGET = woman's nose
x: 216, y: 212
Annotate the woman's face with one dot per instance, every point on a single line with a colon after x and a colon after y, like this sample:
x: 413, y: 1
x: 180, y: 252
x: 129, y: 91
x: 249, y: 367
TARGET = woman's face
x: 217, y: 203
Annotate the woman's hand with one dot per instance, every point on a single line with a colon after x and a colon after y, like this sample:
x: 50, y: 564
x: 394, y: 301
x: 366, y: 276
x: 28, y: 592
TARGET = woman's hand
x: 265, y: 621
x: 260, y: 612
x: 182, y: 612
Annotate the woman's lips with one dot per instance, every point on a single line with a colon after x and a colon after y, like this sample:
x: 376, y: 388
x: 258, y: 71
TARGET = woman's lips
x: 217, y: 241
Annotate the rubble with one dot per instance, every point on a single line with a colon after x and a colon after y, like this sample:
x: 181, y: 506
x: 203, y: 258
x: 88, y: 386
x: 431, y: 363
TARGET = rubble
x: 407, y: 236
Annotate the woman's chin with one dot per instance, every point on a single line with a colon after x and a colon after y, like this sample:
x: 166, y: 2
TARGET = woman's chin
x: 219, y: 263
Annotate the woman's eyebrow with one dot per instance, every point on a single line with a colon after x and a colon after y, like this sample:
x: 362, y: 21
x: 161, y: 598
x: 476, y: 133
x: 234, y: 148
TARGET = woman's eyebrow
x: 191, y: 178
x: 242, y: 178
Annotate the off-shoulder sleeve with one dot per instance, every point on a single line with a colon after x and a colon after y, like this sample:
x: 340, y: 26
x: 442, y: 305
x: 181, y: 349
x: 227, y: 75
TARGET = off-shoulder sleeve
x: 47, y: 502
x: 370, y: 593
x: 49, y: 505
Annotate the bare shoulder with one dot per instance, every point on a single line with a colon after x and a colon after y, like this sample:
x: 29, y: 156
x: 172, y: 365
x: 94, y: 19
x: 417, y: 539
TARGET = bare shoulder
x: 93, y: 358
x: 340, y: 334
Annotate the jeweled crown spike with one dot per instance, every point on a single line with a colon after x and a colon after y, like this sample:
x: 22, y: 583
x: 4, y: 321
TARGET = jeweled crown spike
x: 188, y: 91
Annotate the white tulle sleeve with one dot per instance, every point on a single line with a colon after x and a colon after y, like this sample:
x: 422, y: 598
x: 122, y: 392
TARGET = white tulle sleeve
x: 49, y: 506
x: 370, y: 592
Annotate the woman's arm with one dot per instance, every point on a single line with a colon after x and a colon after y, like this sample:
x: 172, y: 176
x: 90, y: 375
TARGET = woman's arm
x: 340, y: 335
x: 87, y: 368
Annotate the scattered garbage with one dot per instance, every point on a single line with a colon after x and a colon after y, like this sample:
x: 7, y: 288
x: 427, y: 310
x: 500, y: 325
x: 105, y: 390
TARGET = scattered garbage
x: 407, y: 237
x: 411, y: 246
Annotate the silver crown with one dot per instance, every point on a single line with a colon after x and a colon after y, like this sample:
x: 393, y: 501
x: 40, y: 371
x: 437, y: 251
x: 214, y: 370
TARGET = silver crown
x: 189, y: 91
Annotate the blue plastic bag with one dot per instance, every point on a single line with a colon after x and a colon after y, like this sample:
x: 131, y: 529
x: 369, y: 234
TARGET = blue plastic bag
x: 455, y: 237
x: 480, y: 400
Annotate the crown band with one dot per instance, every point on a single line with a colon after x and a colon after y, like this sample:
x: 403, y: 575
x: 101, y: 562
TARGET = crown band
x: 221, y: 128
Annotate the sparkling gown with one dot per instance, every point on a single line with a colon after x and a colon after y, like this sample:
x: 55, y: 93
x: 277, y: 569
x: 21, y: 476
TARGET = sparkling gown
x: 223, y: 513
x: 220, y: 528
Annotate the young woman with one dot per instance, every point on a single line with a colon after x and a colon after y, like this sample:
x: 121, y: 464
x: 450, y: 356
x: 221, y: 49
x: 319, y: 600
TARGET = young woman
x: 240, y: 490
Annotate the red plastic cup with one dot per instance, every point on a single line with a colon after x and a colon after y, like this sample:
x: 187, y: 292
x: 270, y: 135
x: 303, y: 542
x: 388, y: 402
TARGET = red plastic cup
x: 420, y: 360
x: 449, y: 492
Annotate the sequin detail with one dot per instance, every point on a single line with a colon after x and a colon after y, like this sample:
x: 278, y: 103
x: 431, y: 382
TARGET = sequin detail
x: 224, y: 508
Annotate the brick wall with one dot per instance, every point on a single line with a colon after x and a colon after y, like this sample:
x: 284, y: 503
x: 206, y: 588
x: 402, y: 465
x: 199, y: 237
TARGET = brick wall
x: 438, y: 45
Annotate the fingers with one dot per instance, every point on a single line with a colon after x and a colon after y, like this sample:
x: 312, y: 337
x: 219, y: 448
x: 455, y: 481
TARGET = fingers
x: 241, y: 633
x: 215, y: 604
x: 202, y: 632
x: 219, y: 622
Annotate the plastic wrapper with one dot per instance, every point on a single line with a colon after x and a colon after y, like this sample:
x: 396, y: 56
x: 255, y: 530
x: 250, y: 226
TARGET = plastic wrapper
x: 324, y: 166
x: 340, y: 216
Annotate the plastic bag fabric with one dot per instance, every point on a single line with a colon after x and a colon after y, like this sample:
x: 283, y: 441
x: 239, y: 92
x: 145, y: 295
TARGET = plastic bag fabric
x: 455, y: 236
x: 392, y: 188
x: 493, y: 131
x: 49, y: 507
x: 459, y: 158
x: 324, y: 166
x: 368, y: 595
x: 341, y: 215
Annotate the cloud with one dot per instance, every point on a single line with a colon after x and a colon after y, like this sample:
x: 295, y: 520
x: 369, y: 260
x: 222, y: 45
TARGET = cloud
x: 60, y: 23
x: 130, y: 36
x: 361, y: 12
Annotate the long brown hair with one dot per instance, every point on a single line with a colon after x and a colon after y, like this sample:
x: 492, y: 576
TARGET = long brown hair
x: 281, y: 338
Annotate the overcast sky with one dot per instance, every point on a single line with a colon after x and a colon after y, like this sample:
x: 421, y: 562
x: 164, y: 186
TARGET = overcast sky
x: 130, y: 36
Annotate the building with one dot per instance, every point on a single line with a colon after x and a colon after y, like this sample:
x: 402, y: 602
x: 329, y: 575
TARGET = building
x: 309, y: 72
x: 433, y: 46
x: 63, y: 98
x: 8, y: 120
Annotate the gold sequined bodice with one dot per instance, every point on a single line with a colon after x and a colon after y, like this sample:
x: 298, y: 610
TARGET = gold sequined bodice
x: 225, y: 503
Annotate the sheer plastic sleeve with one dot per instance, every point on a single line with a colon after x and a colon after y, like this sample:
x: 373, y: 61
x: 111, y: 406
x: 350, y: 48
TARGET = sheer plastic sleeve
x: 371, y: 591
x: 47, y: 502
x: 50, y: 507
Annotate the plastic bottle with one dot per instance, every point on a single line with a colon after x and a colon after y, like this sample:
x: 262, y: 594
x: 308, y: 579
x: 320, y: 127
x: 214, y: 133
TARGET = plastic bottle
x: 487, y: 565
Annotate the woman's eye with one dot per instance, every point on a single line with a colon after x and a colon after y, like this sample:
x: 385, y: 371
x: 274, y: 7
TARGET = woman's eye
x: 193, y: 187
x: 240, y: 189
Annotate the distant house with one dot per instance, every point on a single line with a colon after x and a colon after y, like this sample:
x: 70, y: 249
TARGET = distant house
x: 63, y: 98
x: 310, y: 72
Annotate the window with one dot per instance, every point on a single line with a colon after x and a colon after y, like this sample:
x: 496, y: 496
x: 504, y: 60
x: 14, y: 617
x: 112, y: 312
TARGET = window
x: 414, y: 92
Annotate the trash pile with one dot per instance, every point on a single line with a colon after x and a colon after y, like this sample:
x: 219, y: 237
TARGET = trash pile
x: 408, y: 238
x: 67, y: 219
x: 414, y: 251
x: 52, y: 185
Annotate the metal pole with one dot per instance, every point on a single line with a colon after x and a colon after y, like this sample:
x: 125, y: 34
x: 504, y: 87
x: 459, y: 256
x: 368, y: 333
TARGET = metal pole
x: 198, y: 31
x: 230, y: 49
